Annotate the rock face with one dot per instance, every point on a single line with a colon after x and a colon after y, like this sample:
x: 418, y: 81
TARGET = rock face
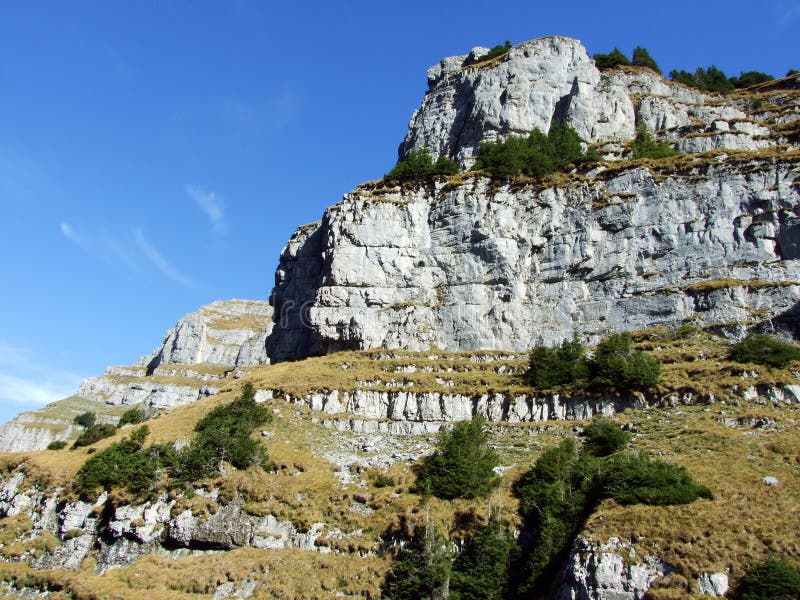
x: 122, y: 534
x: 202, y: 348
x: 481, y: 263
x: 609, y: 571
x: 486, y: 264
x: 554, y: 79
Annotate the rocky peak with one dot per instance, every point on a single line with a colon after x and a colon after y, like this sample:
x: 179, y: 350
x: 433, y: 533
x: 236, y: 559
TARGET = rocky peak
x: 554, y: 79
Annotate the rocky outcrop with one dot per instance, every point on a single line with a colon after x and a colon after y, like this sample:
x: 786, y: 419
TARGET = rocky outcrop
x: 553, y: 79
x: 488, y: 264
x: 204, y: 347
x: 608, y: 571
x: 122, y: 534
x: 226, y: 333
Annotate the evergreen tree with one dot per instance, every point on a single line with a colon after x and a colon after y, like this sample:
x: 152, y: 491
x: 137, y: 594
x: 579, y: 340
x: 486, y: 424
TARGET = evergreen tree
x: 645, y: 146
x: 642, y: 58
x: 611, y: 60
x: 421, y: 568
x: 480, y: 572
x: 462, y: 465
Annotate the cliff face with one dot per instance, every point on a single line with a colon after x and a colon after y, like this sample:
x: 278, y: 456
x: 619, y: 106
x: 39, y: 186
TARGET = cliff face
x: 554, y: 79
x: 482, y: 264
x: 711, y: 236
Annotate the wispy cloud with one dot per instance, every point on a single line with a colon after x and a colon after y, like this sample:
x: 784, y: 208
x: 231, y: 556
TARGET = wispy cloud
x: 71, y: 234
x: 210, y: 203
x: 27, y: 383
x: 103, y: 246
x: 155, y: 257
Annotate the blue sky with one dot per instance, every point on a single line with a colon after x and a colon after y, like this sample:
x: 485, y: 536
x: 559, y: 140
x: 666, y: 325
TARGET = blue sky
x: 156, y: 156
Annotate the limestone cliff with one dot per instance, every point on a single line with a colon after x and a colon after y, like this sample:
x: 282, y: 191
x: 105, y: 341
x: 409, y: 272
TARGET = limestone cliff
x: 472, y: 262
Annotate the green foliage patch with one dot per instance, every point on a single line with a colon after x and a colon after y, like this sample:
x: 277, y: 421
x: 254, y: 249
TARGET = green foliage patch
x: 57, y: 445
x: 421, y: 567
x: 616, y: 365
x: 126, y: 465
x: 645, y: 146
x: 496, y: 51
x: 613, y: 59
x: 462, y: 465
x: 132, y: 416
x: 93, y: 434
x: 224, y: 435
x: 534, y: 156
x: 764, y: 349
x: 773, y: 579
x: 419, y: 164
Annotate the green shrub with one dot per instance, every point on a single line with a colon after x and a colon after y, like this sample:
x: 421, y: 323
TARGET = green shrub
x: 420, y: 569
x: 480, y: 571
x: 764, y: 349
x: 565, y: 365
x: 419, y: 164
x: 224, y: 435
x: 57, y: 445
x: 566, y: 483
x: 604, y: 437
x: 642, y: 480
x: 617, y: 365
x: 383, y: 481
x: 611, y: 60
x: 773, y: 579
x: 534, y: 156
x: 86, y: 419
x: 132, y: 416
x: 125, y: 464
x: 707, y: 80
x: 642, y: 58
x: 645, y: 146
x: 462, y: 465
x: 93, y: 434
x: 498, y: 50
x: 749, y: 78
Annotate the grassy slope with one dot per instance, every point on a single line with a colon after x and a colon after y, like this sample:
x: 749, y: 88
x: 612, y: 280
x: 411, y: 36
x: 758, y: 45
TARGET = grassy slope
x: 747, y: 520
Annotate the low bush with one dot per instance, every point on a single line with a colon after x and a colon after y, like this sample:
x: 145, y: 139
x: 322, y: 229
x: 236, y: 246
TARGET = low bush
x: 93, y: 434
x: 125, y: 464
x: 558, y: 366
x: 645, y: 146
x: 617, y: 365
x: 57, y: 445
x: 534, y: 156
x: 224, y: 435
x: 643, y: 480
x: 642, y: 58
x: 749, y: 78
x: 383, y: 481
x: 773, y: 579
x: 613, y: 59
x: 132, y: 416
x: 604, y: 437
x: 86, y: 419
x: 462, y: 465
x: 498, y: 50
x: 419, y: 164
x: 764, y: 349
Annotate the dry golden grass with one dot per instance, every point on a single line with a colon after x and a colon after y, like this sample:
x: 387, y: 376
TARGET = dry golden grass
x: 746, y: 521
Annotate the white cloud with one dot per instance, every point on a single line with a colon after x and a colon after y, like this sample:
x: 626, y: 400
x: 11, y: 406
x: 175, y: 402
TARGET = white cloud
x: 33, y: 392
x: 27, y: 383
x: 210, y: 204
x: 155, y: 257
x: 71, y: 234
